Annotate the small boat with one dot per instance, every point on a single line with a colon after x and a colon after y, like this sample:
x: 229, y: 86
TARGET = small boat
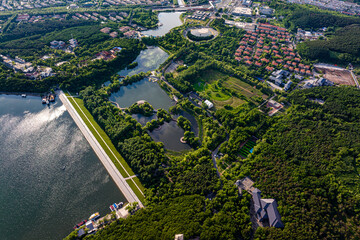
x: 43, y: 101
x: 63, y: 168
x: 23, y: 95
x: 80, y: 224
x: 113, y: 207
x: 120, y: 204
x: 47, y: 102
x: 94, y: 216
x: 52, y: 98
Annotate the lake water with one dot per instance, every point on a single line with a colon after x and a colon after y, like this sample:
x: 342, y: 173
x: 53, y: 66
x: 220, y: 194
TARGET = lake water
x: 169, y: 20
x: 142, y: 90
x: 148, y: 60
x: 169, y: 133
x: 40, y: 200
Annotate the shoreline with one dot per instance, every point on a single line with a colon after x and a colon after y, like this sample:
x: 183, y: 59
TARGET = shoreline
x: 20, y: 93
x: 119, y: 180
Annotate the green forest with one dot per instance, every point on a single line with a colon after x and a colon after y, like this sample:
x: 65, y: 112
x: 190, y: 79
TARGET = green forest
x: 343, y: 46
x: 309, y: 160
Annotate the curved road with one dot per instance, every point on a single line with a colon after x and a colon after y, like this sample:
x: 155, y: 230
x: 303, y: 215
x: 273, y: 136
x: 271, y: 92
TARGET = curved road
x: 119, y: 180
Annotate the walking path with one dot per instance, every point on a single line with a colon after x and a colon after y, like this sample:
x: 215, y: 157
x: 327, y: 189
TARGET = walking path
x: 130, y: 177
x: 119, y: 180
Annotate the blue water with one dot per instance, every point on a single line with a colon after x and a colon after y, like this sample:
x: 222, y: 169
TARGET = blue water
x: 38, y: 199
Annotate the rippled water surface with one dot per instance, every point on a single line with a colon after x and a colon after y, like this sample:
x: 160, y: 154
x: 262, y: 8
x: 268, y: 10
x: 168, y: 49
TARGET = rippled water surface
x: 38, y: 198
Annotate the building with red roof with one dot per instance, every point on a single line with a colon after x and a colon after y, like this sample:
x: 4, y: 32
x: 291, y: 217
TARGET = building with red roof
x: 270, y: 69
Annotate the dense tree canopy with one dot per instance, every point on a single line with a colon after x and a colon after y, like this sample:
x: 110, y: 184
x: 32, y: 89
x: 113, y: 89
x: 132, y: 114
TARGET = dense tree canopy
x: 309, y: 162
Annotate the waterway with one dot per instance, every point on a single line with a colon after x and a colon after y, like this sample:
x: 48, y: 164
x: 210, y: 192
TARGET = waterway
x: 168, y: 21
x: 39, y: 199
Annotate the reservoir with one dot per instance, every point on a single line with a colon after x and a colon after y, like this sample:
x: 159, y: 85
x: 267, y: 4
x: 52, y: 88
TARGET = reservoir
x: 50, y: 178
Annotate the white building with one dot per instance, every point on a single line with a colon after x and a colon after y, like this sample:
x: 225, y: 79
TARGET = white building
x: 209, y: 104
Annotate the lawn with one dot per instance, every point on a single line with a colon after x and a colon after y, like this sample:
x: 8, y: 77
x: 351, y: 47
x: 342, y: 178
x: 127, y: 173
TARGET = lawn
x: 242, y: 88
x: 218, y: 86
x: 108, y: 147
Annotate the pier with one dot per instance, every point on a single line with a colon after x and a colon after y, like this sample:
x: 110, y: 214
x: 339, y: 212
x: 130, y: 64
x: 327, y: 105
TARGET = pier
x: 119, y: 180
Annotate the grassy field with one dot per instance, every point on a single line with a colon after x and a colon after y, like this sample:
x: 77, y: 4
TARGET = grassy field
x: 216, y: 86
x: 108, y: 147
x: 244, y: 89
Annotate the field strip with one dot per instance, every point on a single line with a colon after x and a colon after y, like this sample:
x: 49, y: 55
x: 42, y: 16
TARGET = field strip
x: 106, y: 144
x: 120, y: 169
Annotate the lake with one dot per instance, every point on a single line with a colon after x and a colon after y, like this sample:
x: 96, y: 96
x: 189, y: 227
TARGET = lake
x: 168, y: 21
x: 142, y: 90
x: 40, y: 200
x: 148, y: 60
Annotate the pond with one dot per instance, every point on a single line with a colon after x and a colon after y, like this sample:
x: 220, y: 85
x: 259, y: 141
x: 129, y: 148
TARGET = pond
x: 168, y: 21
x: 148, y: 60
x: 169, y: 133
x: 142, y: 90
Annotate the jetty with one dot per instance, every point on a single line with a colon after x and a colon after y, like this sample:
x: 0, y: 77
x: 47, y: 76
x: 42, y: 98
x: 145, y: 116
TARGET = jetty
x: 119, y: 180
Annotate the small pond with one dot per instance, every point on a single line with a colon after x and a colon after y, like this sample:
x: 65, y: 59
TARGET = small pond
x: 170, y: 134
x: 142, y: 90
x: 148, y: 60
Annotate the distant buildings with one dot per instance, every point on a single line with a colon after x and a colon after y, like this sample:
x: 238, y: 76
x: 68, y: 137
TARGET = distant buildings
x: 200, y: 15
x: 344, y: 7
x: 307, y: 35
x: 179, y: 237
x: 209, y: 104
x: 242, y: 11
x: 73, y: 43
x: 266, y: 210
x: 266, y: 10
x: 287, y: 85
x: 105, y: 30
x: 278, y: 76
x: 22, y: 17
x: 317, y: 83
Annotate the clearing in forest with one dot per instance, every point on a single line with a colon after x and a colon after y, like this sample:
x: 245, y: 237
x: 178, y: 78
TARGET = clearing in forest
x: 225, y: 90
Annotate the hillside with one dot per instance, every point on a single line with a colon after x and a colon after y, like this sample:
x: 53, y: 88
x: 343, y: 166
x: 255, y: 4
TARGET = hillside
x: 309, y: 161
x: 343, y: 46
